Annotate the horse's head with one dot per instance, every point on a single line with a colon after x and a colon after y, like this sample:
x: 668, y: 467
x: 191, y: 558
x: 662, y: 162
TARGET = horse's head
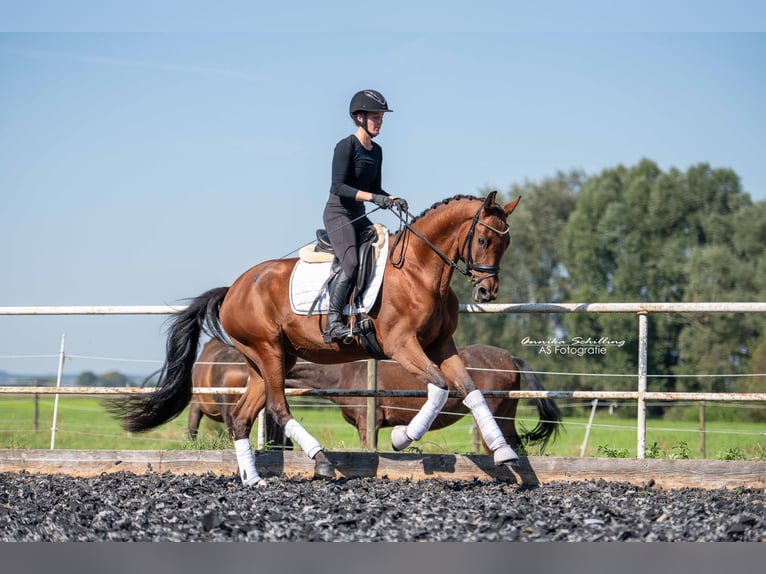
x: 484, y: 246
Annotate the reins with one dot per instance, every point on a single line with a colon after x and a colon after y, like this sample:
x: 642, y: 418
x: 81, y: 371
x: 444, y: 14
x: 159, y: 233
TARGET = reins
x: 402, y: 240
x: 405, y: 228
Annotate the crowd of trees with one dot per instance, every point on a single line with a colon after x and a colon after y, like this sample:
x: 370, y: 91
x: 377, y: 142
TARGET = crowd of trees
x: 109, y: 379
x: 634, y: 234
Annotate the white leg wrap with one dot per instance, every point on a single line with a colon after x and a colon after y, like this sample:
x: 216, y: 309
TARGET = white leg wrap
x: 487, y: 424
x: 309, y: 445
x: 422, y: 421
x: 246, y: 462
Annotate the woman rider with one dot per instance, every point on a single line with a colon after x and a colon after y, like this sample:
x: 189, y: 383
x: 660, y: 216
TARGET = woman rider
x: 356, y: 169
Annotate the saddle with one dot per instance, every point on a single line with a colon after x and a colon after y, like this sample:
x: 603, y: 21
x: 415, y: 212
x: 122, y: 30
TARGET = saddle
x: 371, y: 241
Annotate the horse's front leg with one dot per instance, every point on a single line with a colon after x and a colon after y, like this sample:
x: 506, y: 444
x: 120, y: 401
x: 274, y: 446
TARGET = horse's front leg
x: 415, y: 361
x: 454, y: 370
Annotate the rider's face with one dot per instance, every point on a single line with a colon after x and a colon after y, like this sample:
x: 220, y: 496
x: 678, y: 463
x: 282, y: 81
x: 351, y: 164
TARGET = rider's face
x: 374, y: 122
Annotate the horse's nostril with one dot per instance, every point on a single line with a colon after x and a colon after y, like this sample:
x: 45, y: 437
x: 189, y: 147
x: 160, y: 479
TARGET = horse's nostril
x: 481, y: 294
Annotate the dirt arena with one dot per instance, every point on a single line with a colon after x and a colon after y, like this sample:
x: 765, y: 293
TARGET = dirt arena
x: 166, y: 507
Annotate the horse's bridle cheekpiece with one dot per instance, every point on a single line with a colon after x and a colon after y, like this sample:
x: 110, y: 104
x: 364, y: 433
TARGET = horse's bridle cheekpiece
x: 488, y: 270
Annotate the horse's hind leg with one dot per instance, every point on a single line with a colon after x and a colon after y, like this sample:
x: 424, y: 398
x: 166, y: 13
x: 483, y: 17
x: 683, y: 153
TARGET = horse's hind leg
x: 240, y: 422
x: 273, y: 372
x: 454, y: 369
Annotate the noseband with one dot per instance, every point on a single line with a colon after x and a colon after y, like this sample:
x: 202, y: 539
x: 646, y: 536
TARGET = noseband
x: 470, y: 267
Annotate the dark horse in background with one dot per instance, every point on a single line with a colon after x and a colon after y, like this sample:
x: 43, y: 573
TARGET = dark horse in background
x: 414, y: 318
x: 492, y: 368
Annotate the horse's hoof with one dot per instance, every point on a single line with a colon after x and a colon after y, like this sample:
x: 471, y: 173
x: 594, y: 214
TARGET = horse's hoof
x: 323, y: 468
x: 399, y: 438
x: 505, y: 454
x: 254, y: 481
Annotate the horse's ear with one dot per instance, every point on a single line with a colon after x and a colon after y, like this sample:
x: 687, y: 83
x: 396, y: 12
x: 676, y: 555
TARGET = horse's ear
x: 489, y: 201
x: 509, y: 207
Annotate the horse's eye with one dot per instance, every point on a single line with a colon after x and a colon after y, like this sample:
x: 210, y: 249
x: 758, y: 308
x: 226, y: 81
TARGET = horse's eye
x: 482, y: 241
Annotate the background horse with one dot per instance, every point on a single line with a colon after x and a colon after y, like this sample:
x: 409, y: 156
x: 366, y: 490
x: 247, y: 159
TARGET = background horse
x: 414, y: 317
x: 493, y: 369
x: 221, y: 365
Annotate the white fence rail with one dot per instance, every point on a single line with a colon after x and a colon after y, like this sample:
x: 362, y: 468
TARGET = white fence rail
x: 641, y: 395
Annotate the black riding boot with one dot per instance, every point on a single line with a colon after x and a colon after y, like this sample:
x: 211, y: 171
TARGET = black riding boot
x: 336, y: 329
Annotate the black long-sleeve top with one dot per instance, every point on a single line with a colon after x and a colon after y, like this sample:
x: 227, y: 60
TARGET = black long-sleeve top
x: 354, y: 168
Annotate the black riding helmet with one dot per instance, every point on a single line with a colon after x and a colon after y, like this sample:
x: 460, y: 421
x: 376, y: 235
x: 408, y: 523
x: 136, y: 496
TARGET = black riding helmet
x: 364, y: 102
x: 368, y: 101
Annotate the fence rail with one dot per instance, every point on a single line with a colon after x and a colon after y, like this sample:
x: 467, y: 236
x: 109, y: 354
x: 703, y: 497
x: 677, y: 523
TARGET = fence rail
x: 643, y: 310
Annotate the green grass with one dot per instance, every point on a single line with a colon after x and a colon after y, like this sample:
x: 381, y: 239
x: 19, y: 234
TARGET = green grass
x: 83, y: 423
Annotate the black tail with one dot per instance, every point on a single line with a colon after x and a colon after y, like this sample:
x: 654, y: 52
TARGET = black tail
x: 174, y: 386
x: 549, y: 422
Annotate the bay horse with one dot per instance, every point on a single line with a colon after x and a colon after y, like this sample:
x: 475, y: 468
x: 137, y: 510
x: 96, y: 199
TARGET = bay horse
x: 414, y: 318
x: 493, y: 368
x: 221, y: 365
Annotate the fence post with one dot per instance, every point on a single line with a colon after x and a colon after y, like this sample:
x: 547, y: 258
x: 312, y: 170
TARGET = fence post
x: 703, y: 452
x: 584, y: 445
x: 260, y: 435
x: 643, y: 335
x: 56, y: 400
x: 372, y: 404
x: 36, y: 413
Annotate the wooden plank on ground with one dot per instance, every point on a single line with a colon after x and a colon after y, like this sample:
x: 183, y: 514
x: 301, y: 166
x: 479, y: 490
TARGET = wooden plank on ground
x: 530, y: 470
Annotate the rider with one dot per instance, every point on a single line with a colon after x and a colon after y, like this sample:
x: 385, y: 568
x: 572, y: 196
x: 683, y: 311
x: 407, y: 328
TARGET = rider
x: 356, y: 178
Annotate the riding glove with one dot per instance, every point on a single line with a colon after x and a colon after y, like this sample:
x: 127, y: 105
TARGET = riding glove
x: 382, y: 201
x: 401, y: 203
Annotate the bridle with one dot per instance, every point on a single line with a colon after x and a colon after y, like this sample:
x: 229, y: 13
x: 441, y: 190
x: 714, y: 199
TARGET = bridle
x: 465, y: 252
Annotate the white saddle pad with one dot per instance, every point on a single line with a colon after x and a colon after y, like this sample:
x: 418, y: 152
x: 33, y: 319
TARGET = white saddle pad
x: 308, y: 278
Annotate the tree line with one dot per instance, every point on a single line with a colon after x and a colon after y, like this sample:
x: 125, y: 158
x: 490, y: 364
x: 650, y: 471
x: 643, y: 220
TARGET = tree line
x: 633, y: 234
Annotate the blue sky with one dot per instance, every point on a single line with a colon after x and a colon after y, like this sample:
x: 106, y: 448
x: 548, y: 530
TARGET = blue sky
x: 142, y: 168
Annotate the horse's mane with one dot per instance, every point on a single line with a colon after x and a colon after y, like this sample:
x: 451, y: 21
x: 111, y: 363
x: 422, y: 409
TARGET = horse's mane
x: 446, y: 201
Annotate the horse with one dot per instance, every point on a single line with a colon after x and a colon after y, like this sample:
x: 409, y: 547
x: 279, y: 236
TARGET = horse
x: 492, y: 368
x: 495, y: 369
x: 221, y: 365
x: 414, y: 318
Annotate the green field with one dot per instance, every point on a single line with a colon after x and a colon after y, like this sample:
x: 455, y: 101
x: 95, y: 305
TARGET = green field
x: 83, y: 423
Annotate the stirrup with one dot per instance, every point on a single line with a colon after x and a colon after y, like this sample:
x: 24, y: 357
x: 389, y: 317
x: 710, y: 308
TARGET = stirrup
x: 338, y: 332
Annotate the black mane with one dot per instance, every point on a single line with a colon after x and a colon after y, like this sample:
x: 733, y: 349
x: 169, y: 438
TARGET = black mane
x: 446, y: 201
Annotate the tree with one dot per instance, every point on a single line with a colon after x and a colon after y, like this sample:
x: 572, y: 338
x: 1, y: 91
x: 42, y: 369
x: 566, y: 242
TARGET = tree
x: 731, y: 267
x: 638, y: 234
x: 531, y: 270
x: 86, y: 379
x: 114, y: 379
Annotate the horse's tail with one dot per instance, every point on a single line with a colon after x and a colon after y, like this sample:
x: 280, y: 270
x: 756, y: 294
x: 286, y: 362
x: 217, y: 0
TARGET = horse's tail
x: 174, y: 386
x: 549, y: 422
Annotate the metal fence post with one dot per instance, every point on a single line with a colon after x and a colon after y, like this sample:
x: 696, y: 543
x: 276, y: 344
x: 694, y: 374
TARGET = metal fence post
x: 372, y: 404
x: 643, y: 335
x: 56, y: 400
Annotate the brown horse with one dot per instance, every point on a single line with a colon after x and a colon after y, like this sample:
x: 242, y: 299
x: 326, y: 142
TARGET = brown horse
x: 221, y: 365
x: 493, y: 368
x: 414, y: 317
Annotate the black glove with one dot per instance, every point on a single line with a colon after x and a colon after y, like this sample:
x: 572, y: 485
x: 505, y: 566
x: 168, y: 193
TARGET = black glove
x: 401, y: 203
x: 381, y: 200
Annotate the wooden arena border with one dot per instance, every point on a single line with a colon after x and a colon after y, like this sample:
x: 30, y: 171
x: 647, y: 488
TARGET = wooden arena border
x: 665, y: 474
